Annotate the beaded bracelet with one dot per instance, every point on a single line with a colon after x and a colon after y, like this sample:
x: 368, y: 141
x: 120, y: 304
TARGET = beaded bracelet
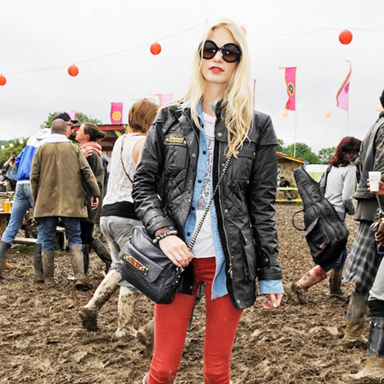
x: 164, y: 234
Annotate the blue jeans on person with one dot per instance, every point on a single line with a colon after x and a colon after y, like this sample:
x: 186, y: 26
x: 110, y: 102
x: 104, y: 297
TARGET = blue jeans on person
x: 21, y: 203
x: 48, y: 231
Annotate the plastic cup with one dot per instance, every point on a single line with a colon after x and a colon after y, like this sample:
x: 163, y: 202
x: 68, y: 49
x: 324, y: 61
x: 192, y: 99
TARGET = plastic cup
x: 374, y: 178
x: 7, y: 206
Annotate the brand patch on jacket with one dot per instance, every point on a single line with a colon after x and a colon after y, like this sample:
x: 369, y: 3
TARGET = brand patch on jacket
x: 175, y: 138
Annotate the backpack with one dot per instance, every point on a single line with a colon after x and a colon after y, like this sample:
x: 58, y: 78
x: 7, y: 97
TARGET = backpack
x: 325, y: 233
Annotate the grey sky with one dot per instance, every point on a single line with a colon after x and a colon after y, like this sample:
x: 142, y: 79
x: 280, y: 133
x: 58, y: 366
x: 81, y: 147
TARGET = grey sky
x: 45, y: 34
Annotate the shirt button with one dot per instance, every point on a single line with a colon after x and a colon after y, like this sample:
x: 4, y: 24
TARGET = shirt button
x: 219, y: 134
x: 204, y: 152
x: 193, y: 208
x: 199, y: 181
x: 188, y: 233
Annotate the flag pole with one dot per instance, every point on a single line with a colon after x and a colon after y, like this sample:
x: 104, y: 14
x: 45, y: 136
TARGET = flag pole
x: 294, y: 147
x: 348, y: 121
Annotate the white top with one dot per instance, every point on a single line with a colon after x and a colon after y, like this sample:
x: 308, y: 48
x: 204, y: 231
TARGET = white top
x: 119, y: 186
x: 341, y: 184
x: 204, y: 246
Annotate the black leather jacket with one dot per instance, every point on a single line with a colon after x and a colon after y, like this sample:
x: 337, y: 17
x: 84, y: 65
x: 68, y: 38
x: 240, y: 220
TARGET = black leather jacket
x: 164, y: 184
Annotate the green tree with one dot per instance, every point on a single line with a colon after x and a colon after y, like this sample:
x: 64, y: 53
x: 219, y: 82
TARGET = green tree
x: 81, y: 118
x: 302, y: 152
x: 325, y: 155
x: 14, y: 146
x: 280, y: 147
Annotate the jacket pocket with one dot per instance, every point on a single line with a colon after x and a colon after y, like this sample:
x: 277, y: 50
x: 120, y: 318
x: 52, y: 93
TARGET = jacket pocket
x: 249, y: 246
x: 242, y: 166
x: 176, y: 155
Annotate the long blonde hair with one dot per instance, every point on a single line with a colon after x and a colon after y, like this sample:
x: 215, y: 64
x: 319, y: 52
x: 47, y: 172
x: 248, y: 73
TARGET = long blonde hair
x: 237, y: 98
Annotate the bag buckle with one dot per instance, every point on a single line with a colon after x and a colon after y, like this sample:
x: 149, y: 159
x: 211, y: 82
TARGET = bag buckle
x: 135, y: 263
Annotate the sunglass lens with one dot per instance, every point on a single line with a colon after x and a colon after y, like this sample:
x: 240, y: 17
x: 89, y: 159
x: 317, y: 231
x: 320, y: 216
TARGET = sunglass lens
x: 231, y: 53
x: 210, y: 49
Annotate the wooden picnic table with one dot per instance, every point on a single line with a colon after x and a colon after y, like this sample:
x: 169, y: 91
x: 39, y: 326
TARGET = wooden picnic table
x: 4, y: 217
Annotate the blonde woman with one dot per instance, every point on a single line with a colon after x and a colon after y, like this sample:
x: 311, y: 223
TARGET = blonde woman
x: 182, y: 160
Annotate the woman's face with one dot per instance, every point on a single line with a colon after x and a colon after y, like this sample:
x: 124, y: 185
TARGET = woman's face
x: 217, y: 70
x: 81, y: 137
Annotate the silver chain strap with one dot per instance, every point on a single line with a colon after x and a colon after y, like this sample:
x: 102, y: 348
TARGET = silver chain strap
x: 197, y: 230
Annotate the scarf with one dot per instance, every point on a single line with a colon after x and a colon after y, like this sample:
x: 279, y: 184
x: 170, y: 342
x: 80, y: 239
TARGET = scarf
x: 93, y: 145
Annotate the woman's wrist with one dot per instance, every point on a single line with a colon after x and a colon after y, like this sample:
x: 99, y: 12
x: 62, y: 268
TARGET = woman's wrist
x: 162, y: 235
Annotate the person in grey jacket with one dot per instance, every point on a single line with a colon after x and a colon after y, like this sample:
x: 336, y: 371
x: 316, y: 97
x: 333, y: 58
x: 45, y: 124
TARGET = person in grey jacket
x: 339, y: 184
x: 183, y: 158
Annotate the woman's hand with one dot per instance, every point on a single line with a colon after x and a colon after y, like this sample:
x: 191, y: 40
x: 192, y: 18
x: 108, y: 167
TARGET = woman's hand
x: 379, y: 235
x: 176, y: 250
x: 381, y: 188
x: 273, y: 301
x: 87, y: 151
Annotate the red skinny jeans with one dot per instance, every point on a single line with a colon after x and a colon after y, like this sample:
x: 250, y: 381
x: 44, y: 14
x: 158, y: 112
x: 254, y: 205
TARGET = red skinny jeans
x: 171, y: 323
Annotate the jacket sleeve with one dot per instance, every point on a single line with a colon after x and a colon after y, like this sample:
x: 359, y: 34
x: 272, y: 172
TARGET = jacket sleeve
x: 378, y: 164
x: 263, y: 192
x: 148, y: 206
x: 87, y: 175
x: 35, y: 175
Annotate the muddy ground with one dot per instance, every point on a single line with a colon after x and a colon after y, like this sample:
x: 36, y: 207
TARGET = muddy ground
x: 42, y: 341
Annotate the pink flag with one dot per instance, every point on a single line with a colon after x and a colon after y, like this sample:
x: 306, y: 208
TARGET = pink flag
x: 342, y: 98
x: 116, y: 113
x: 253, y: 86
x: 290, y: 80
x: 72, y: 115
x: 164, y: 98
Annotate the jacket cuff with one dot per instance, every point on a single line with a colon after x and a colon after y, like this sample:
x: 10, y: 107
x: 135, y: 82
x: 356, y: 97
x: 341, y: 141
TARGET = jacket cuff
x: 269, y: 273
x: 158, y: 222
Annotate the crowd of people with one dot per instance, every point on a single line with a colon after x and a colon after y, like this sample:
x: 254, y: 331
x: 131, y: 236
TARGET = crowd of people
x: 162, y: 174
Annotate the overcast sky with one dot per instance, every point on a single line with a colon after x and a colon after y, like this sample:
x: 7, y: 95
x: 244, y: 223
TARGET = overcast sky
x: 50, y: 34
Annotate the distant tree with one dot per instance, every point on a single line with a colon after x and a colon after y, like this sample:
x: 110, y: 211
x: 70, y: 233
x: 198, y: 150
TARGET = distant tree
x: 280, y: 147
x: 302, y: 152
x: 14, y: 146
x: 81, y: 118
x: 325, y: 155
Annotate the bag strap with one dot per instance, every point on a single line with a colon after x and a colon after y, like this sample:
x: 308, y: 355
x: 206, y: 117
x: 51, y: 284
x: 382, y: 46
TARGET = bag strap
x: 198, y: 228
x: 121, y: 157
x: 293, y: 220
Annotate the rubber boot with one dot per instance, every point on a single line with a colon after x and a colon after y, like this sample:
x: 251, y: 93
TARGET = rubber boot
x: 4, y: 248
x: 77, y: 259
x: 356, y: 313
x: 102, y: 252
x: 48, y: 261
x: 146, y: 335
x: 86, y: 257
x: 373, y: 370
x: 335, y: 278
x: 88, y: 314
x: 38, y: 264
x: 312, y: 277
x: 125, y: 309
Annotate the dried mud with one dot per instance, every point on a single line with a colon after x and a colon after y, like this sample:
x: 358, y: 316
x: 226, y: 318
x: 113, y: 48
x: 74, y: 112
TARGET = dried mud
x: 42, y: 340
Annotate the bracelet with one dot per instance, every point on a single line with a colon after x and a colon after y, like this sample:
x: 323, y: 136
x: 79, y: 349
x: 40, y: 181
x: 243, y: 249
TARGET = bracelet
x: 164, y: 234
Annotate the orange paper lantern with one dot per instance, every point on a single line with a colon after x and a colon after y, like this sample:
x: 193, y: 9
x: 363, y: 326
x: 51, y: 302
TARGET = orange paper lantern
x: 73, y: 70
x: 3, y: 80
x: 155, y: 48
x: 284, y: 113
x: 345, y: 37
x: 328, y: 113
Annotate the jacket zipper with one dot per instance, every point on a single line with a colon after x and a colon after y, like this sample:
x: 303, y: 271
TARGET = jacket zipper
x: 230, y: 270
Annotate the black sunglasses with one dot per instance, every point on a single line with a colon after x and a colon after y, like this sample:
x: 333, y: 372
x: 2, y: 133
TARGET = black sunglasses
x: 229, y: 52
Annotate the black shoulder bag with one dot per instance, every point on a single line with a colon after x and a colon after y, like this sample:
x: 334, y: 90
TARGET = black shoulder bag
x: 144, y: 265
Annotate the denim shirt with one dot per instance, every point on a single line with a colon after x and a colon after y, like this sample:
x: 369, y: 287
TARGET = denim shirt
x: 219, y: 285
